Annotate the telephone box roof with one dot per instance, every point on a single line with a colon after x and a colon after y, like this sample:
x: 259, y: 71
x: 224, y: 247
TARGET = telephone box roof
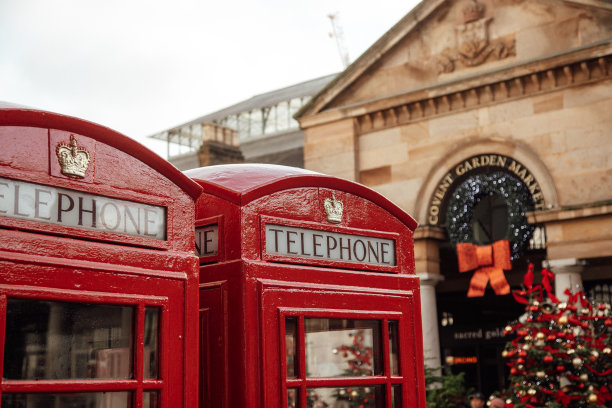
x: 243, y: 183
x: 16, y: 115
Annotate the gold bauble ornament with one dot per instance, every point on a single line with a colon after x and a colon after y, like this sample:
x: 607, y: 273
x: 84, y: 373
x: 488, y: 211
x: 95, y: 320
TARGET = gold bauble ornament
x: 508, y: 329
x: 570, y: 351
x: 577, y: 362
x: 563, y: 319
x: 607, y: 350
x: 540, y: 336
x: 504, y: 353
x: 508, y: 401
x: 528, y: 338
x: 595, y: 353
x: 584, y: 377
x: 562, y: 306
x: 540, y: 374
x: 592, y: 398
x: 521, y: 393
x: 520, y: 367
x: 532, y: 391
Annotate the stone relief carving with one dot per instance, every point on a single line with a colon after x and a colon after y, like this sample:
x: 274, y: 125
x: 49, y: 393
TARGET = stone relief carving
x: 474, y: 46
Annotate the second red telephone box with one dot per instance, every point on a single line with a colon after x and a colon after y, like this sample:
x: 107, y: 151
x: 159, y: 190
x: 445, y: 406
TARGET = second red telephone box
x: 308, y: 296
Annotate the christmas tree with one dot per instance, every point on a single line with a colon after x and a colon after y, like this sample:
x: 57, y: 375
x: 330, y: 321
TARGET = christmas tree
x: 561, y: 354
x: 360, y: 363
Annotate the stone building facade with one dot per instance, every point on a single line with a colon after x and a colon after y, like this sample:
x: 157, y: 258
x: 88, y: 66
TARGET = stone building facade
x: 465, y: 114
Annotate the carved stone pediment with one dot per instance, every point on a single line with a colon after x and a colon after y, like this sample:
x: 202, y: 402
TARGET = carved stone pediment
x: 473, y: 45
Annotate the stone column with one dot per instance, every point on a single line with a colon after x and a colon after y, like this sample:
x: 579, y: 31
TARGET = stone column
x: 427, y: 265
x: 429, y: 317
x: 568, y: 275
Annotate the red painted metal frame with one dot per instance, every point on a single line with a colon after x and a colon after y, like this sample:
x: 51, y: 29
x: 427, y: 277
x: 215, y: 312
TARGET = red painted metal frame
x: 255, y: 284
x: 395, y: 306
x: 54, y: 262
x: 29, y: 117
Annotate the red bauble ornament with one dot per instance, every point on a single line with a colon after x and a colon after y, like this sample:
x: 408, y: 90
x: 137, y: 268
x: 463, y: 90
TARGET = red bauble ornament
x: 522, y: 353
x: 548, y: 359
x: 513, y: 371
x: 551, y: 337
x: 608, y: 322
x: 560, y: 368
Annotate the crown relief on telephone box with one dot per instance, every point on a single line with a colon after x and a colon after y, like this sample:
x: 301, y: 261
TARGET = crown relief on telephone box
x: 487, y: 120
x: 98, y: 276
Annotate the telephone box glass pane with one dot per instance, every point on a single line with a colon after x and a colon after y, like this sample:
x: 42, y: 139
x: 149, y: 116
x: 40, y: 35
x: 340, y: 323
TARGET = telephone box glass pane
x: 291, y: 346
x: 292, y: 397
x: 396, y: 396
x: 151, y: 340
x: 61, y: 340
x: 342, y: 347
x: 346, y: 397
x: 393, y: 348
x: 72, y: 400
x: 149, y: 399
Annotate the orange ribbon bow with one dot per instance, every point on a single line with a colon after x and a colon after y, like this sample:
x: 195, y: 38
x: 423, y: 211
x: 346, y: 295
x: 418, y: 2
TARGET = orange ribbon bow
x: 489, y: 262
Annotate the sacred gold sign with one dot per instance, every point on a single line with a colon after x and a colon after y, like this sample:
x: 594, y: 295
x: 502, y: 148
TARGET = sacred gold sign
x: 477, y: 163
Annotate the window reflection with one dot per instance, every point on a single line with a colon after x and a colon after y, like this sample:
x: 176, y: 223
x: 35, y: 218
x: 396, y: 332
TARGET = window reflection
x: 63, y: 340
x: 346, y: 397
x: 342, y: 347
x: 291, y: 346
x: 149, y: 399
x: 72, y: 400
x: 292, y: 397
x: 393, y: 348
x: 396, y: 396
x: 151, y: 330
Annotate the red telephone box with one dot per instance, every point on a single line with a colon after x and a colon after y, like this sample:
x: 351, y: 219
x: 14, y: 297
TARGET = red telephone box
x: 308, y: 296
x: 98, y: 278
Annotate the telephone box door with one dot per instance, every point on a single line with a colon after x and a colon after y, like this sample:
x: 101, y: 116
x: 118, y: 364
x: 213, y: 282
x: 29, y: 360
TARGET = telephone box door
x: 338, y: 347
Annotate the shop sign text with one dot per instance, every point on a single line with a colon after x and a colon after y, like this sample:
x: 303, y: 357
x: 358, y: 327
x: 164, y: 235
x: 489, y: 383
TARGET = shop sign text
x: 475, y: 163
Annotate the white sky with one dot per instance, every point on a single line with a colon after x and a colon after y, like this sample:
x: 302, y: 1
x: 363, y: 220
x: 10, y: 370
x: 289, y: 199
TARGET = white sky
x: 141, y: 66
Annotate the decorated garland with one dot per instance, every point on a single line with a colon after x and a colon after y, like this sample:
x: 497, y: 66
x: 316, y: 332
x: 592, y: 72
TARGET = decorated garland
x: 468, y: 194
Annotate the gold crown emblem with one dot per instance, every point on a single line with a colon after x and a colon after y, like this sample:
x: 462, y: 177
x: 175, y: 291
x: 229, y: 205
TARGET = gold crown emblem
x: 73, y: 159
x: 473, y: 11
x: 333, y: 209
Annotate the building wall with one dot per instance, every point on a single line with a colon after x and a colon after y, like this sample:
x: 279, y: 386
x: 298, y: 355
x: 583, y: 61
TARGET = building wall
x: 535, y: 87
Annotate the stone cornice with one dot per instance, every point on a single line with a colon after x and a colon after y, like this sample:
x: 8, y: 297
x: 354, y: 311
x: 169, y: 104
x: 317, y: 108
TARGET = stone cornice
x: 576, y: 67
x: 569, y: 213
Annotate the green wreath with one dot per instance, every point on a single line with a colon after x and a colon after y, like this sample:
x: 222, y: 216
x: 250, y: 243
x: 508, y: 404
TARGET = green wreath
x: 468, y: 194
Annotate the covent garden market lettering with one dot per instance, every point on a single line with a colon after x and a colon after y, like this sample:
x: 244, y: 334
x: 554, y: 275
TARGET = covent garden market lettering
x: 477, y: 163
